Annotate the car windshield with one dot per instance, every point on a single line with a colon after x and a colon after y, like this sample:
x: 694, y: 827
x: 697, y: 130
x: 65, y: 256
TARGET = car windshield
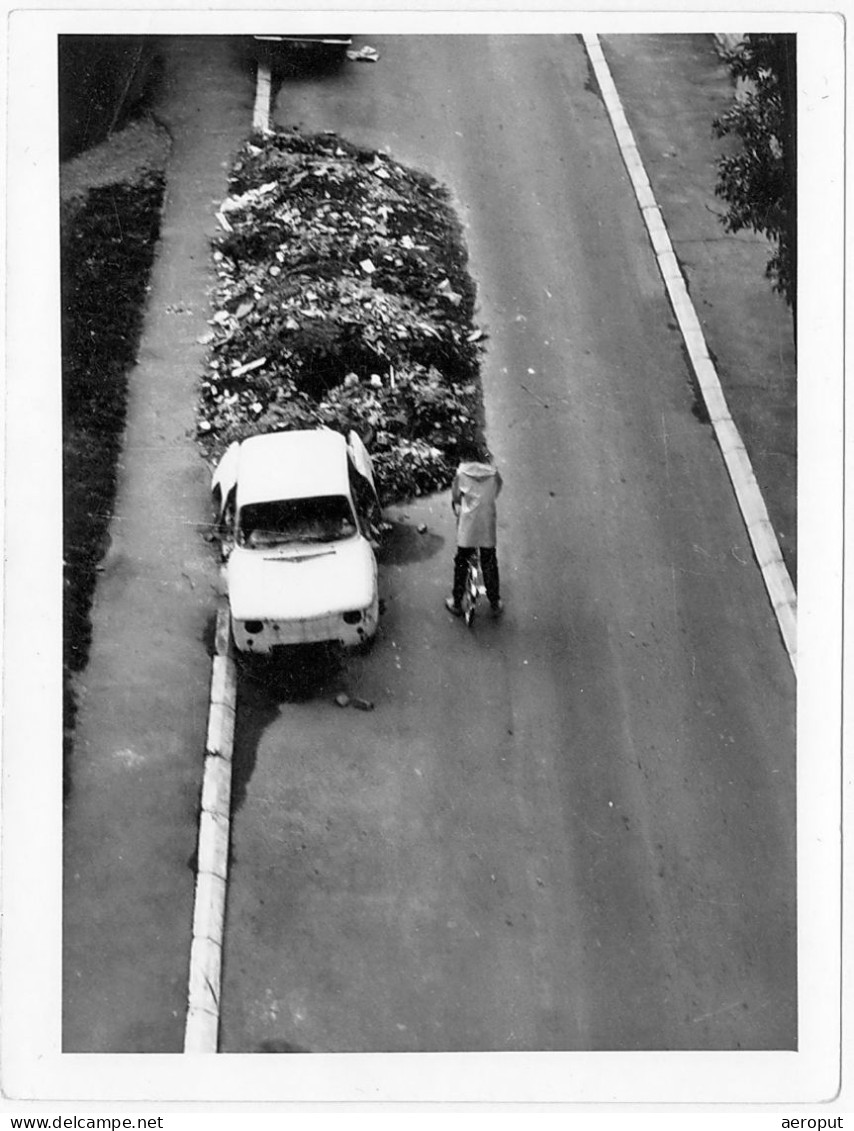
x: 326, y: 518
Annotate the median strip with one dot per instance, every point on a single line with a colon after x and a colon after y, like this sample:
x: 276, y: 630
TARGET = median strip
x: 766, y: 548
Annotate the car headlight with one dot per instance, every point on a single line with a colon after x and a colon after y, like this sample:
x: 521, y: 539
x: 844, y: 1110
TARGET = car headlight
x: 353, y: 616
x: 253, y: 626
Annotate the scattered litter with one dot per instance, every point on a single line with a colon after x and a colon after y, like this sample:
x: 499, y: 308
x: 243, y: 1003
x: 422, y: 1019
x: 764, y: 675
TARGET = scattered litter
x: 241, y: 370
x: 447, y: 291
x: 364, y: 55
x: 362, y: 704
x: 342, y: 699
x: 422, y: 528
x: 342, y: 301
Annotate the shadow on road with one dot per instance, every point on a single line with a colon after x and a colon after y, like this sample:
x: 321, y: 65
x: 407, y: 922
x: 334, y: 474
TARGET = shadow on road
x: 302, y: 62
x: 276, y: 1045
x: 403, y: 544
x: 296, y: 675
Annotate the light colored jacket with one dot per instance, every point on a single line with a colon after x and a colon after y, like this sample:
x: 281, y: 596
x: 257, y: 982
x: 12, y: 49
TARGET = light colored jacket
x: 475, y: 488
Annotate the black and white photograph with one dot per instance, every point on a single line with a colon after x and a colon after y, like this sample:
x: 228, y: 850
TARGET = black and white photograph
x: 423, y: 556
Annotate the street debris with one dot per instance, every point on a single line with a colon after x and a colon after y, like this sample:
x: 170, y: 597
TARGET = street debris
x: 342, y: 300
x: 342, y: 699
x: 364, y: 55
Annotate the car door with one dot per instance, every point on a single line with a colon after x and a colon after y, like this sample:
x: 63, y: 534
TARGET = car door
x: 224, y: 494
x: 360, y: 457
x: 364, y: 488
x: 224, y: 481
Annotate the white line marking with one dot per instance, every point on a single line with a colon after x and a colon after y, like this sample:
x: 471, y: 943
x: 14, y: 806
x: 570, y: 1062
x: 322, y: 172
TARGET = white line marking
x: 201, y: 1032
x: 778, y: 583
x: 261, y: 111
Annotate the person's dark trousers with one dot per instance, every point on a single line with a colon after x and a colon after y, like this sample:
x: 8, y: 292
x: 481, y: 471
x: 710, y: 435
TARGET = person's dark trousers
x: 489, y: 565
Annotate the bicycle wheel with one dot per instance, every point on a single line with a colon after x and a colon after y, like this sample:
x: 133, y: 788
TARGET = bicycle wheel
x: 471, y: 592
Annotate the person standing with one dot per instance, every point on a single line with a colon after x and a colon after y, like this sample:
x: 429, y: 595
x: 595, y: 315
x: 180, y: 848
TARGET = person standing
x: 477, y: 484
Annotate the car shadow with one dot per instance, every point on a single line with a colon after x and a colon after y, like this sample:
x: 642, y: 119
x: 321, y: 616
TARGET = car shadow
x: 295, y: 62
x: 294, y: 675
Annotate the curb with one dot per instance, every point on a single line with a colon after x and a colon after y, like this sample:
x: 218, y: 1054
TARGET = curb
x: 201, y: 1033
x: 766, y: 548
x: 261, y: 110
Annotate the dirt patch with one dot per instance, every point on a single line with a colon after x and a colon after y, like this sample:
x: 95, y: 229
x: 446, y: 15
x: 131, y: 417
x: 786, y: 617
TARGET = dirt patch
x: 110, y: 222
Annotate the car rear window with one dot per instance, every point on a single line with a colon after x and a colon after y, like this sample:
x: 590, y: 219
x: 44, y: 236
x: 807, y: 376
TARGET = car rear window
x: 325, y: 518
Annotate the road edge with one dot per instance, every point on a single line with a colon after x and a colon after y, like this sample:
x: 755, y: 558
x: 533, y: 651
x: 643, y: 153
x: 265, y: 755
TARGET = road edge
x: 201, y: 1033
x: 766, y: 548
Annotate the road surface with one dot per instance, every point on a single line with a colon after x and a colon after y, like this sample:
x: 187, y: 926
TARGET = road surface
x: 574, y: 828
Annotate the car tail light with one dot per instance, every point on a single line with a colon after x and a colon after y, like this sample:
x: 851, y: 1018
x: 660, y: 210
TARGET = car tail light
x: 353, y: 616
x: 253, y: 626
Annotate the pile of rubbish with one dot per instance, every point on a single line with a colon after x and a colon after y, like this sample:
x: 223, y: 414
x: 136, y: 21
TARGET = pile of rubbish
x: 342, y: 299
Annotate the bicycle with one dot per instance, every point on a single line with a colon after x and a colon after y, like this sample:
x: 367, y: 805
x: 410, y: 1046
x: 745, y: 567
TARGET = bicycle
x: 472, y: 589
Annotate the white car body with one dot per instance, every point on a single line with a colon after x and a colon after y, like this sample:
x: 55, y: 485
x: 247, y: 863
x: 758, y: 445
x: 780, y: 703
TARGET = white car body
x: 296, y: 509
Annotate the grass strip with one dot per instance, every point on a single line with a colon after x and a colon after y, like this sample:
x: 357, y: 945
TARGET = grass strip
x: 109, y: 237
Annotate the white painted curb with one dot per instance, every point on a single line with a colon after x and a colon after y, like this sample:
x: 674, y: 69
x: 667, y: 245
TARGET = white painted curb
x: 201, y: 1032
x: 778, y: 583
x: 261, y: 111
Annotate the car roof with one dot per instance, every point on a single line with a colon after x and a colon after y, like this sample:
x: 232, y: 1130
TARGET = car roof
x: 292, y: 465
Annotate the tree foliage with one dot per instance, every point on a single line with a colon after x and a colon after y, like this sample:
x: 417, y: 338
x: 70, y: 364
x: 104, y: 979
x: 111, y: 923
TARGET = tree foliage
x: 759, y: 181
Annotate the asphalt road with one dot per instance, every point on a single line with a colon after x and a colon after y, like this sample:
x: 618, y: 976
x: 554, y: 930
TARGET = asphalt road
x: 573, y: 829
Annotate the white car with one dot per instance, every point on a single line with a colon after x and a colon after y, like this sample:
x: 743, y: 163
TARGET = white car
x: 298, y: 513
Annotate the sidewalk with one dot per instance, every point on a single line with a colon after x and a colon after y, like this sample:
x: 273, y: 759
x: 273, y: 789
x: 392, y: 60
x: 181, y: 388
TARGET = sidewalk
x: 131, y: 817
x: 672, y: 87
